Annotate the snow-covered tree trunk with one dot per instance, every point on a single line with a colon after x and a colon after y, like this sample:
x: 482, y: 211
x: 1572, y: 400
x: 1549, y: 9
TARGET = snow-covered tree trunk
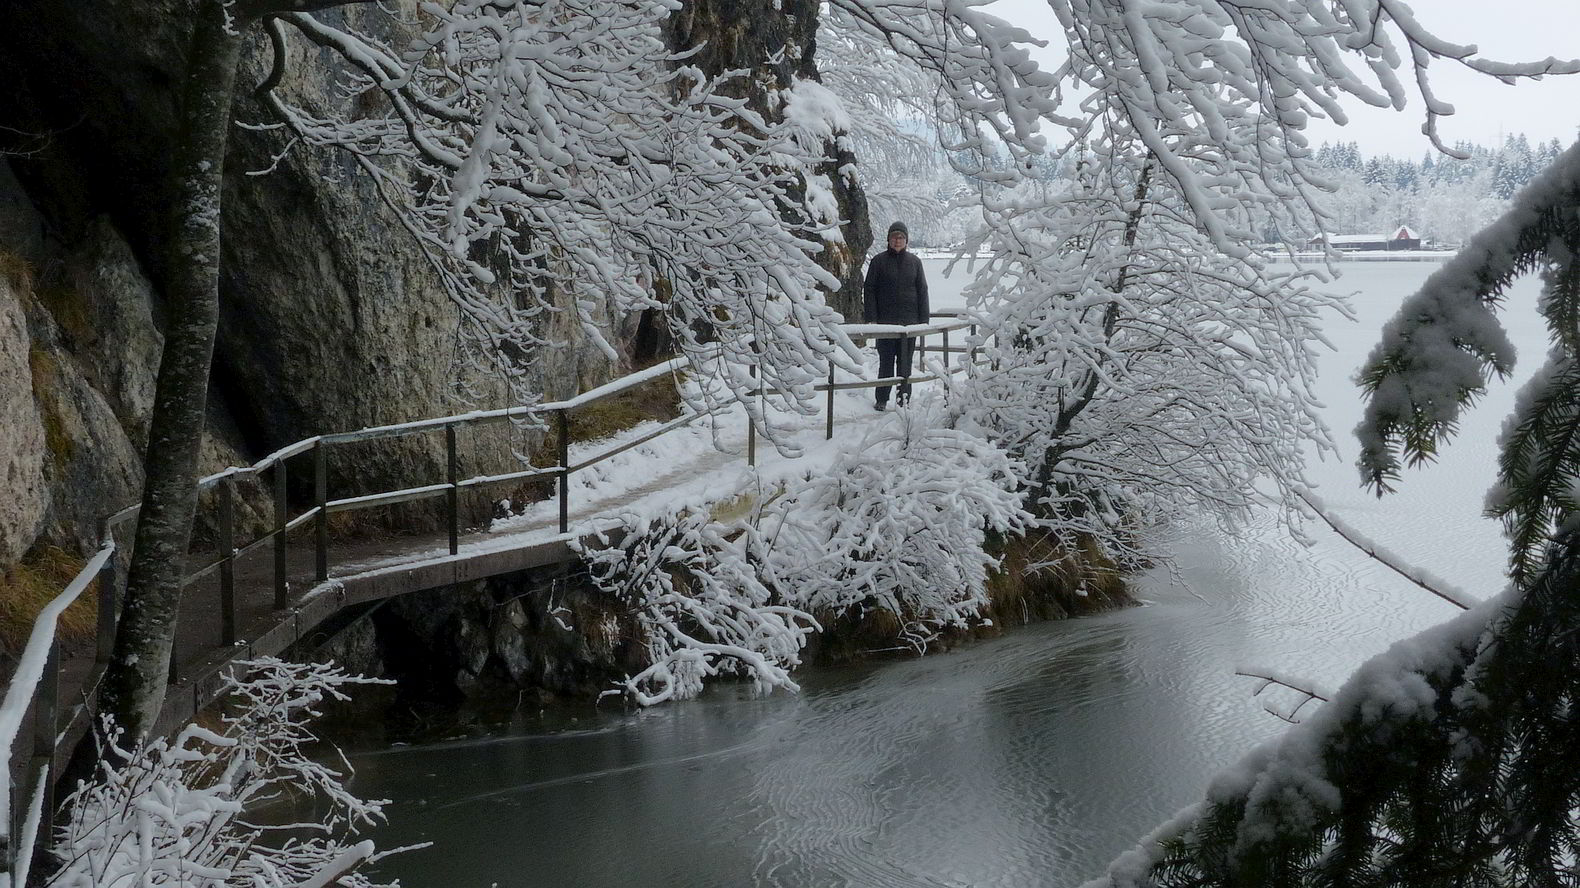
x: 774, y: 40
x: 135, y: 684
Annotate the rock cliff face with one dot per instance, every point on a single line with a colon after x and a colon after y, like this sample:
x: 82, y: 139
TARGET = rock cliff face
x: 331, y: 318
x: 21, y: 431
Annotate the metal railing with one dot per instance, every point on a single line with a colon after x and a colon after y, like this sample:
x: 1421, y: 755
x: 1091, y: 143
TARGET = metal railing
x: 38, y: 675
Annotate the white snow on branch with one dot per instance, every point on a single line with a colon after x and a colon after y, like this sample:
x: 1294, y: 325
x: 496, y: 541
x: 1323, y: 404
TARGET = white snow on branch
x: 180, y: 811
x: 896, y: 524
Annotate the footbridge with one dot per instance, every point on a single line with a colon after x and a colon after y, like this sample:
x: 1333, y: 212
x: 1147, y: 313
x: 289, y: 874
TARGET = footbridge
x: 260, y: 596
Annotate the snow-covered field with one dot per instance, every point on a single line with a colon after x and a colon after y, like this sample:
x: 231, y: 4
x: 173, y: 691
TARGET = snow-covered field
x: 1434, y: 518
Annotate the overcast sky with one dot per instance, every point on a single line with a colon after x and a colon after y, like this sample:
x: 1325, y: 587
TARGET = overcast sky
x: 1506, y: 30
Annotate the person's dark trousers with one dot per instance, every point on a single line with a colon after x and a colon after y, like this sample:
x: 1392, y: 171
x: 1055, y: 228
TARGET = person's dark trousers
x: 890, y: 353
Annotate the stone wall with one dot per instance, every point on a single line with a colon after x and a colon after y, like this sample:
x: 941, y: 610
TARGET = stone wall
x: 484, y: 649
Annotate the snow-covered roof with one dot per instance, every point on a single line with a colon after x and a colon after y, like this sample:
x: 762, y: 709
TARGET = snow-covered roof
x: 1349, y: 238
x: 1405, y: 232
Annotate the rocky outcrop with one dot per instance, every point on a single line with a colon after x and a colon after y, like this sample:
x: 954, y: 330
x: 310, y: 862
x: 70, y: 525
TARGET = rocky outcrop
x: 23, y: 508
x: 79, y: 351
x: 331, y: 318
x: 487, y: 647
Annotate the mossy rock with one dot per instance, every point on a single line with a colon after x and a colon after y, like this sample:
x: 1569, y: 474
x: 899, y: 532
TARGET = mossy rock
x: 46, y: 392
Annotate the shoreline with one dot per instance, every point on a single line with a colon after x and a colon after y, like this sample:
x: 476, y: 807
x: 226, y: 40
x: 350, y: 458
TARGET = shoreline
x: 1341, y: 256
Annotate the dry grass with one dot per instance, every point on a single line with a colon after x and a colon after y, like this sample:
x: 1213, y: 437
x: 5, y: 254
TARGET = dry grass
x: 46, y: 385
x: 70, y: 310
x: 30, y: 584
x: 1080, y: 581
x: 16, y: 271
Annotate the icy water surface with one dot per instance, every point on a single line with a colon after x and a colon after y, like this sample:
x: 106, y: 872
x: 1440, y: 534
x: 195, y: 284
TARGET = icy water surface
x: 1030, y: 760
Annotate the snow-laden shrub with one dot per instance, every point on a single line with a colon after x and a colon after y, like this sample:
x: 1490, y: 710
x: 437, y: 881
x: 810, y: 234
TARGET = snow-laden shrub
x: 896, y: 524
x: 179, y: 812
x: 1138, y: 372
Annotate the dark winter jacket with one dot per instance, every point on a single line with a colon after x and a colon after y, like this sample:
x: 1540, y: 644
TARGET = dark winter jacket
x: 895, y: 291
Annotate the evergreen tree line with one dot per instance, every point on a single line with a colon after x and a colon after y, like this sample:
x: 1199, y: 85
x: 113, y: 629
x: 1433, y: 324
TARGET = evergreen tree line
x: 1444, y: 199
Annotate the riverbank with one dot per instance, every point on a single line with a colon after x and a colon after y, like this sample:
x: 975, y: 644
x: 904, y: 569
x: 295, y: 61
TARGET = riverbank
x: 1022, y: 761
x: 470, y: 657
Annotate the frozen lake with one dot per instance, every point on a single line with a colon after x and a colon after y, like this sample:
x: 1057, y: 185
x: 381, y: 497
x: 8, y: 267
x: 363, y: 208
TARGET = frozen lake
x: 1030, y: 760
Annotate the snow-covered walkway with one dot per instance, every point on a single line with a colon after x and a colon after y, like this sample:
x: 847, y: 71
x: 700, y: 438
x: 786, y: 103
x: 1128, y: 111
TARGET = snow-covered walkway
x: 699, y: 465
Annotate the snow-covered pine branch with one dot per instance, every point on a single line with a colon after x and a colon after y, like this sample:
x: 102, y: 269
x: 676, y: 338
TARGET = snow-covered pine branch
x: 181, y: 811
x: 897, y: 524
x: 1447, y: 759
x: 1438, y: 351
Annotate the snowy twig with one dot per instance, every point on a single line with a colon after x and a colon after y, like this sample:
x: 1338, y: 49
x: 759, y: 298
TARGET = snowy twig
x: 1435, y: 585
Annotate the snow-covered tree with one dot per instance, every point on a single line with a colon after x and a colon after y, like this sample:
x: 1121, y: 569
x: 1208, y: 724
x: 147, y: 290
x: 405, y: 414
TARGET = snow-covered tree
x: 1449, y: 759
x: 1133, y: 369
x: 186, y: 811
x: 896, y: 525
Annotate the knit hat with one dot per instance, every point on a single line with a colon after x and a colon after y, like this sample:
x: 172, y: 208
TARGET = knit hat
x: 900, y: 227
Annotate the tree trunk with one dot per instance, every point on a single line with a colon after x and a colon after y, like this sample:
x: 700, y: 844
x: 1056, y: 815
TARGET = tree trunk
x: 1088, y: 389
x: 777, y: 41
x: 134, y: 686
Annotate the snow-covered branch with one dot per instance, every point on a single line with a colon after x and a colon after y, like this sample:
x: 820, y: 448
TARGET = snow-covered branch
x: 896, y: 525
x: 1433, y: 584
x: 554, y: 156
x: 181, y: 811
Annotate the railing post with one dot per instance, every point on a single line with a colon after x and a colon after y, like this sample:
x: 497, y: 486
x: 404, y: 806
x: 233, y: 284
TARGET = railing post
x: 10, y: 835
x: 46, y: 725
x: 281, y: 518
x: 227, y: 563
x: 564, y: 422
x: 751, y: 424
x: 453, y: 495
x: 828, y: 431
x: 321, y: 500
x: 946, y: 349
x: 109, y: 604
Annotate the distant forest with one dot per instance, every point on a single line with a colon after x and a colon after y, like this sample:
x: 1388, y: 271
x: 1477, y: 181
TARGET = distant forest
x: 1443, y: 199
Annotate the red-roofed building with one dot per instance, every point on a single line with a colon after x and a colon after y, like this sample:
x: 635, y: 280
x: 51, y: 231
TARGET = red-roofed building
x: 1403, y: 238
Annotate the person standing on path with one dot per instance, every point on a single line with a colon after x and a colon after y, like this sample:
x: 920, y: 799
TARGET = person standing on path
x: 895, y: 292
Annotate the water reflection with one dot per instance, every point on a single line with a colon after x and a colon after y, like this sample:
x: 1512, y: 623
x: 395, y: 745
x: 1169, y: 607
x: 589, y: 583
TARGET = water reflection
x: 1029, y: 760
